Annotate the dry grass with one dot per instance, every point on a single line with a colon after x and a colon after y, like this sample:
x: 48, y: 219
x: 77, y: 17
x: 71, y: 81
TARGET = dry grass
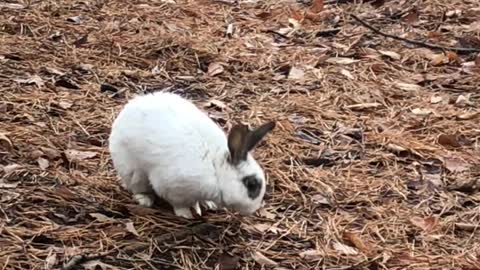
x: 360, y: 175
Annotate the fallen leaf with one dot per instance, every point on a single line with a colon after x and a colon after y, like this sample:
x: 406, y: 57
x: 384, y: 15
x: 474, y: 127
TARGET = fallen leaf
x: 469, y: 42
x: 101, y: 217
x: 347, y: 74
x: 448, y: 140
x: 377, y: 3
x: 477, y: 60
x: 50, y: 152
x: 262, y: 260
x: 436, y: 99
x: 411, y: 17
x: 75, y: 19
x: 295, y: 14
x: 393, y: 55
x: 10, y: 168
x: 344, y: 249
x: 462, y: 100
x: 51, y: 260
x: 451, y: 13
x: 65, y: 193
x: 427, y: 224
x: 320, y: 199
x: 94, y: 264
x: 421, y: 112
x: 439, y: 59
x: 311, y: 254
x: 217, y: 103
x: 11, y: 6
x: 35, y: 79
x: 42, y: 163
x: 65, y: 105
x: 467, y: 116
x: 214, y: 69
x: 317, y: 6
x: 456, y: 165
x: 264, y: 213
x: 453, y: 57
x: 8, y: 185
x: 296, y: 73
x: 79, y: 155
x: 341, y: 60
x: 363, y: 106
x: 407, y: 86
x: 5, y: 141
x: 227, y: 262
x: 131, y: 228
x: 358, y: 242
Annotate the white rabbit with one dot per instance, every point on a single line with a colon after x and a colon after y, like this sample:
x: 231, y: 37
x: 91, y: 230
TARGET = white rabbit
x: 163, y: 144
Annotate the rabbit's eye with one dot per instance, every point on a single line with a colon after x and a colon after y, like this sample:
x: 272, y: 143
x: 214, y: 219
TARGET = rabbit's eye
x: 253, y: 186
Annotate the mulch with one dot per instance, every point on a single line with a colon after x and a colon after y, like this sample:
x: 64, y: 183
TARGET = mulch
x: 374, y: 163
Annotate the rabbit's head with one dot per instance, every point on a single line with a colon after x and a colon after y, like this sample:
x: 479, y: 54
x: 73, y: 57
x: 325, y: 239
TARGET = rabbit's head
x: 241, y: 179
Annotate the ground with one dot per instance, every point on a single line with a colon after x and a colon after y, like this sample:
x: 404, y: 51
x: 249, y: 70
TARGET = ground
x: 374, y: 162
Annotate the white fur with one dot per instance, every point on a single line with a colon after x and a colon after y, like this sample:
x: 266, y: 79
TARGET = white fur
x: 165, y: 142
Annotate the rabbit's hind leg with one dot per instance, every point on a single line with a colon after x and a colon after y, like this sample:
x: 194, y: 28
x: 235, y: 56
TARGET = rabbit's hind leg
x: 141, y: 189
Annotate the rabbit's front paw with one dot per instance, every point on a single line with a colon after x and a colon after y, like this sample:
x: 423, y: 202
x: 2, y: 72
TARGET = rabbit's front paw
x: 183, y: 212
x: 144, y: 199
x: 210, y: 205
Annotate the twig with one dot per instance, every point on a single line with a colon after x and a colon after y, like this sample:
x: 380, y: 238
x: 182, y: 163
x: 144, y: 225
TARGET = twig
x: 419, y: 43
x: 79, y: 259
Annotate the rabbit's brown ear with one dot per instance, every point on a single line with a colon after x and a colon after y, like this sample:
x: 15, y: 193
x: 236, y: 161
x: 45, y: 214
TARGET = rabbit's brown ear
x: 257, y: 135
x: 237, y: 143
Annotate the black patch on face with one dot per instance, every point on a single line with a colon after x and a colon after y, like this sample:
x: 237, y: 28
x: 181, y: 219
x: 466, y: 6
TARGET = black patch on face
x: 253, y: 185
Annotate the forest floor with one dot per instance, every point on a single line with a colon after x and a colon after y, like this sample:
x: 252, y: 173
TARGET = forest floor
x: 374, y: 162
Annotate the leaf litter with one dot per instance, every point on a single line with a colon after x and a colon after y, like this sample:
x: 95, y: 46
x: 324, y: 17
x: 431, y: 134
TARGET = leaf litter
x: 401, y: 193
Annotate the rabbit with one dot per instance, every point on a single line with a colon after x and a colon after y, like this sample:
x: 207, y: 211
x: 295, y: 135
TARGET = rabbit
x: 162, y: 144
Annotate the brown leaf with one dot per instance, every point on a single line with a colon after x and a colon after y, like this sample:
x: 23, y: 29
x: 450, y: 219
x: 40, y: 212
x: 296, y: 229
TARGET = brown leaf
x: 101, y: 217
x: 448, y: 140
x: 51, y: 260
x: 95, y: 264
x: 317, y: 6
x: 456, y: 165
x: 411, y: 17
x: 79, y: 155
x: 436, y: 99
x: 5, y: 142
x: 227, y: 262
x: 453, y: 57
x: 50, y: 152
x: 355, y: 239
x: 377, y: 3
x: 295, y: 14
x: 43, y: 163
x: 35, y: 79
x: 427, y: 224
x: 131, y: 228
x: 262, y: 260
x: 393, y: 55
x: 264, y: 213
x: 65, y: 193
x: 469, y: 42
x: 344, y: 249
x: 311, y: 254
x: 10, y: 168
x: 477, y: 60
x: 296, y: 73
x: 439, y: 59
x: 65, y: 105
x: 215, y: 69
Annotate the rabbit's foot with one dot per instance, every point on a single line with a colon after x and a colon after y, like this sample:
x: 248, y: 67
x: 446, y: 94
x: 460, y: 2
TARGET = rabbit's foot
x: 197, y: 209
x: 184, y: 212
x: 210, y: 205
x: 144, y: 199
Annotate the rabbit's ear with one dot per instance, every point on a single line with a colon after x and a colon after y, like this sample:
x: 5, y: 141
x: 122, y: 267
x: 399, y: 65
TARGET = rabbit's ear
x: 237, y: 139
x: 257, y: 135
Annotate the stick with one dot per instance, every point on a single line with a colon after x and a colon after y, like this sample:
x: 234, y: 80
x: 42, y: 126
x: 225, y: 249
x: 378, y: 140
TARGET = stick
x: 419, y: 43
